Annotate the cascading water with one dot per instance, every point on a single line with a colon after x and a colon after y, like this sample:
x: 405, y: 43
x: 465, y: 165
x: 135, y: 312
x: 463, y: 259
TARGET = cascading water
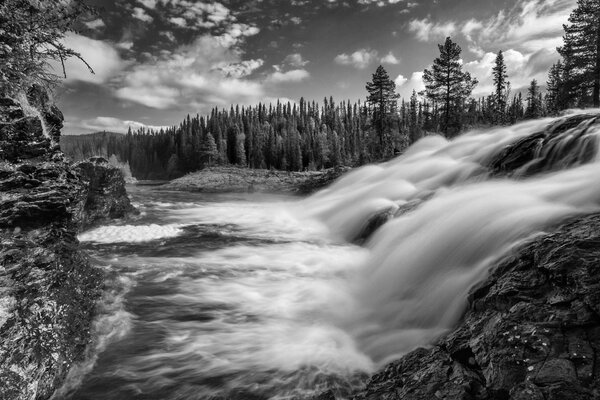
x: 242, y: 297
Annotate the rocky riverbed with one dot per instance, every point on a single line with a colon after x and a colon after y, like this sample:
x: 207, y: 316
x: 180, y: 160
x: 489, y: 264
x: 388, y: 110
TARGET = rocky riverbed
x: 48, y: 288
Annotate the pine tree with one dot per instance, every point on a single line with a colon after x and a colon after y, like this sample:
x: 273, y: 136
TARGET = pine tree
x: 534, y: 106
x: 581, y: 53
x: 502, y: 88
x: 413, y: 122
x: 448, y: 86
x: 208, y: 150
x: 383, y: 102
x: 555, y: 91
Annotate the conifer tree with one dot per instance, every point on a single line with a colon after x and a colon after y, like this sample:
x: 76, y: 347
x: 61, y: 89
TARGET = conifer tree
x: 534, y: 106
x: 501, y: 86
x: 382, y: 100
x: 31, y: 36
x: 448, y: 86
x: 555, y: 96
x: 208, y: 149
x: 581, y: 53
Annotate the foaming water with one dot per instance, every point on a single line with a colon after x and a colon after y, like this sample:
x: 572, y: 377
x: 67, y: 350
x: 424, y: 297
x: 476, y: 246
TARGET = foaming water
x: 229, y: 297
x: 422, y: 263
x: 246, y: 297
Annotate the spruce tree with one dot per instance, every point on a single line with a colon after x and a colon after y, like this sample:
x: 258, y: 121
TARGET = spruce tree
x: 383, y: 102
x: 534, y: 106
x: 581, y: 53
x: 555, y: 95
x: 208, y: 149
x: 448, y: 86
x: 501, y: 88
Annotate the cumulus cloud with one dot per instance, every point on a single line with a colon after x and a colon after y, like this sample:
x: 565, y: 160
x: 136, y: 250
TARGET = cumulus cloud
x: 198, y: 14
x: 240, y: 69
x: 102, y: 57
x: 405, y: 86
x: 360, y: 59
x: 141, y: 14
x: 207, y: 72
x: 294, y: 75
x: 295, y: 60
x: 425, y: 29
x: 151, y: 4
x: 390, y: 58
x: 95, y: 24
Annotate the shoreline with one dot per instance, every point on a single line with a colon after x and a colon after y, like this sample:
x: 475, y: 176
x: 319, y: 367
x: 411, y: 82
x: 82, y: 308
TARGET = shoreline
x: 246, y: 180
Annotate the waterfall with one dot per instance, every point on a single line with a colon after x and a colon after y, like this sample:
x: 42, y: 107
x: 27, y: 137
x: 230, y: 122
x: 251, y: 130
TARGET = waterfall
x: 453, y: 209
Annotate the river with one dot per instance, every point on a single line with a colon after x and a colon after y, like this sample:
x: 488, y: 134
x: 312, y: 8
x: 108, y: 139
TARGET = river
x: 239, y: 296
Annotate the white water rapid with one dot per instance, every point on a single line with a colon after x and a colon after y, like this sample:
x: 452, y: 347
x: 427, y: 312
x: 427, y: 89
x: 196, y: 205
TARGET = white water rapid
x: 244, y: 297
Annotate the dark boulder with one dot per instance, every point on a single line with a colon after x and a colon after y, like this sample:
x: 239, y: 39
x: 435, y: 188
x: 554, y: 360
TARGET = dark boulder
x: 105, y: 193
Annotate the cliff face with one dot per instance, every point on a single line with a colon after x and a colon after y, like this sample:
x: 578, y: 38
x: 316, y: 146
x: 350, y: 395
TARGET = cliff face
x: 47, y: 286
x: 532, y: 330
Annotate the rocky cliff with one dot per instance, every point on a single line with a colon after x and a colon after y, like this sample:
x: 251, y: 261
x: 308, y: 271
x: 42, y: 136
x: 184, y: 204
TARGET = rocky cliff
x: 47, y: 286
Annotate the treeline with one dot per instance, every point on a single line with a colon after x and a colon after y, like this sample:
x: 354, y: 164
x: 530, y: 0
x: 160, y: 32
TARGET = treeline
x: 311, y: 136
x: 293, y: 137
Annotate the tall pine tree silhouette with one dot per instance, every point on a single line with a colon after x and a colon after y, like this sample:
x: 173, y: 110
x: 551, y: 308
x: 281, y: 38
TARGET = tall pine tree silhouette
x: 383, y: 102
x: 501, y: 87
x: 581, y: 53
x: 448, y: 86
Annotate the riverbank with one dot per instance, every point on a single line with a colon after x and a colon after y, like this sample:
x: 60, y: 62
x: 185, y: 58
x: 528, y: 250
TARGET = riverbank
x: 235, y: 179
x: 48, y: 287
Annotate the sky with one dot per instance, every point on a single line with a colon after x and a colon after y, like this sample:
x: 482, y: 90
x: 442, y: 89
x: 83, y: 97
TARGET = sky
x: 156, y: 61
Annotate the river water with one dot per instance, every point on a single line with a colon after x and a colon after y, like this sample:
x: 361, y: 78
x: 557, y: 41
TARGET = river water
x: 240, y: 296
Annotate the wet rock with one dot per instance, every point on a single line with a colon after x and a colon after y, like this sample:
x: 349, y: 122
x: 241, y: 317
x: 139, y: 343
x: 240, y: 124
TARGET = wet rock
x: 564, y: 144
x: 47, y: 286
x: 532, y: 330
x: 105, y: 193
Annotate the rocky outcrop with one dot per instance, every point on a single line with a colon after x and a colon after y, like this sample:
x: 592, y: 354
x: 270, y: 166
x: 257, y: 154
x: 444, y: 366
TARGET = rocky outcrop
x: 106, y: 196
x: 532, y: 330
x: 566, y: 143
x: 47, y: 286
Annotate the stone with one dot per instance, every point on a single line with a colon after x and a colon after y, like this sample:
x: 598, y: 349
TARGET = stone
x: 48, y: 288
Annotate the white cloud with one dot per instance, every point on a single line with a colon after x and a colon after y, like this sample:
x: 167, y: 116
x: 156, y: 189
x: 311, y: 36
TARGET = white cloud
x: 295, y: 75
x: 406, y: 86
x: 240, y: 69
x: 207, y: 72
x: 390, y: 58
x: 295, y: 60
x: 151, y: 4
x: 142, y: 15
x: 360, y: 59
x: 101, y: 55
x: 425, y: 29
x: 179, y: 21
x: 95, y: 24
x: 400, y: 80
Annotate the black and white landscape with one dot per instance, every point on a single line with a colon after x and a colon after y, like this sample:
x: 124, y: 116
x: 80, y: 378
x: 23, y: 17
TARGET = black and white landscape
x: 337, y: 199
